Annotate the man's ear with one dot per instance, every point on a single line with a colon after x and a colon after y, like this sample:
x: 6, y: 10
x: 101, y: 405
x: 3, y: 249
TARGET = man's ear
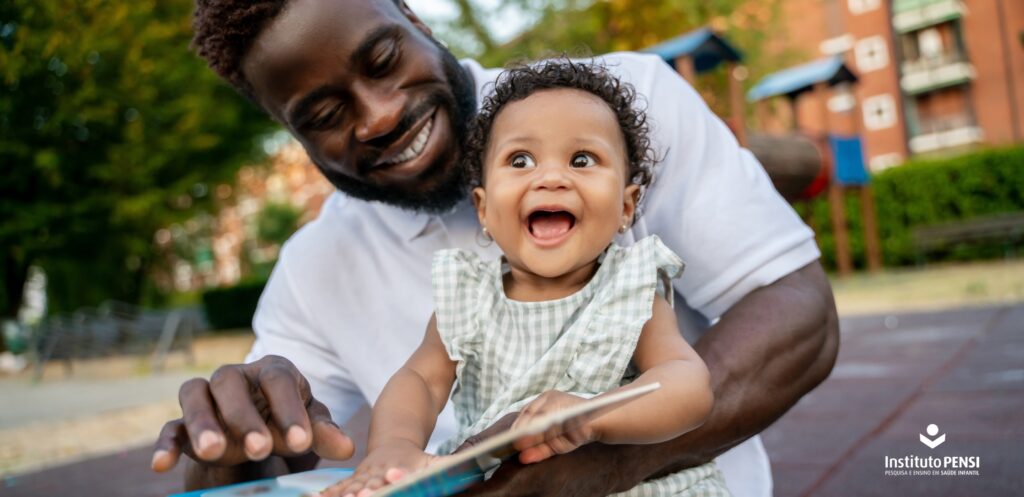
x: 408, y: 13
x: 480, y: 202
x: 629, y: 200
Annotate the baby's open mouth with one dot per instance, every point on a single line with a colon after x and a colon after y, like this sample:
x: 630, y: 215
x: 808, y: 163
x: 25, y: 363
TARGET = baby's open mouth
x: 550, y: 225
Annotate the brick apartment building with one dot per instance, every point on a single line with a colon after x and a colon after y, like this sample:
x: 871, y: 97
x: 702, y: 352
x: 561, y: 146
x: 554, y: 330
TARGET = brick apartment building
x: 935, y: 76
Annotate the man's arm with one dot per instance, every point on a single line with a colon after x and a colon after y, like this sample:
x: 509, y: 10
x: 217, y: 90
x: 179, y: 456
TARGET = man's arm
x: 772, y: 347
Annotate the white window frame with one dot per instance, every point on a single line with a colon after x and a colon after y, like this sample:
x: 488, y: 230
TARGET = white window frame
x: 879, y: 112
x: 872, y: 53
x: 861, y: 6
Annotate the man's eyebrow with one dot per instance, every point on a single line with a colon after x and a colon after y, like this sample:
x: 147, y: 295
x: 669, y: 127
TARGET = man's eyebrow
x: 299, y: 113
x: 364, y: 51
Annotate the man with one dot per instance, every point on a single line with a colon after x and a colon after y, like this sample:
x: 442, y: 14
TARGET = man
x: 381, y: 109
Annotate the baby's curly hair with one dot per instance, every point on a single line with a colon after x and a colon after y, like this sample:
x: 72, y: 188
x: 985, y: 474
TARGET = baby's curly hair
x: 523, y: 80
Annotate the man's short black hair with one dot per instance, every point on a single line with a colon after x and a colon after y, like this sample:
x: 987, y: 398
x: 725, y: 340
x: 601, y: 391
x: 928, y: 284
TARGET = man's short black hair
x: 223, y: 31
x: 523, y: 80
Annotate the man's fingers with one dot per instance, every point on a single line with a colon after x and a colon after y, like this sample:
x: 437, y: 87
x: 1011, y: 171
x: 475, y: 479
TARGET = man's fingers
x: 329, y: 442
x: 281, y: 389
x: 232, y: 393
x: 168, y: 446
x: 204, y: 431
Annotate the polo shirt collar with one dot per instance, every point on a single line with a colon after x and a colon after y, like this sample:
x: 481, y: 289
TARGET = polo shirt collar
x: 407, y: 223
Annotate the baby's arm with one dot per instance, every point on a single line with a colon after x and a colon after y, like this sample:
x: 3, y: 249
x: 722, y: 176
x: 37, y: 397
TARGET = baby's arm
x: 682, y: 403
x: 403, y: 418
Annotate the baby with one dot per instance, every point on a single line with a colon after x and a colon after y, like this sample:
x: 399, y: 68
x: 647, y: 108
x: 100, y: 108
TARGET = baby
x: 558, y: 160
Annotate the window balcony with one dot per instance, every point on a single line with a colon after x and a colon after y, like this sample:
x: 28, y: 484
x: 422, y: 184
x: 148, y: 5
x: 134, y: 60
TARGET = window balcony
x: 946, y: 132
x: 931, y: 73
x: 910, y: 15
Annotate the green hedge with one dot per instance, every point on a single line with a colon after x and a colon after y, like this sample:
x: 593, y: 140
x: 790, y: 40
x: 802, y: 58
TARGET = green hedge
x: 926, y: 192
x: 232, y: 307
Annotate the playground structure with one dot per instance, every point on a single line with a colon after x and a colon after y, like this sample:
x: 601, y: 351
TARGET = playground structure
x: 801, y: 163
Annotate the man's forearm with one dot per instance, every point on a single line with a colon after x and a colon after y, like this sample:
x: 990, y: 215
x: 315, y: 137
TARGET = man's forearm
x: 770, y: 349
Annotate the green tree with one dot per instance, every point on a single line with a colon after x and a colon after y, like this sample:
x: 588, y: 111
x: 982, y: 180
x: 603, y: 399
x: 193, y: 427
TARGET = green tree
x: 109, y: 129
x: 276, y: 222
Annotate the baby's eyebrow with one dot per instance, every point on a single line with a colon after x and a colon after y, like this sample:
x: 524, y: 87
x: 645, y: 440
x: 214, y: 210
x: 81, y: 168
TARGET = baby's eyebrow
x: 516, y: 140
x: 587, y: 141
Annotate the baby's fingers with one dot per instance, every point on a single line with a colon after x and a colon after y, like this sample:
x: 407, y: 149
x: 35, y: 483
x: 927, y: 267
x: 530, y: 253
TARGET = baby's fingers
x: 554, y: 446
x: 536, y: 453
x: 348, y: 486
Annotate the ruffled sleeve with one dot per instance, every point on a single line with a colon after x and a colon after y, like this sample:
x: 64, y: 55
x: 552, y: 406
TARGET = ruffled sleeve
x: 459, y: 278
x: 621, y: 308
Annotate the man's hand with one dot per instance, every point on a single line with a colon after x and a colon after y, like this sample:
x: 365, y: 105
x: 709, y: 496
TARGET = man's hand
x: 247, y: 412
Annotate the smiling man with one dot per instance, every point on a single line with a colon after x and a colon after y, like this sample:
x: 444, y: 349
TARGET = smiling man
x: 382, y: 109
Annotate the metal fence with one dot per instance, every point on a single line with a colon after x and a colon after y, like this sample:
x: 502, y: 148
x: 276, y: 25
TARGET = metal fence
x: 115, y: 328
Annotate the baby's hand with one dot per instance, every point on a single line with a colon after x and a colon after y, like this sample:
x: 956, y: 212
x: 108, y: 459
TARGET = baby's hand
x: 384, y: 466
x: 559, y: 439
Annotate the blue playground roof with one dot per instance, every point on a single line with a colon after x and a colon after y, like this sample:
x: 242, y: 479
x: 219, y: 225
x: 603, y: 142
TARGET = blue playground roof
x: 798, y: 79
x: 704, y: 46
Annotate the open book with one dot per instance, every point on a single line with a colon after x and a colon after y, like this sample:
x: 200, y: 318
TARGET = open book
x: 464, y: 468
x: 452, y: 475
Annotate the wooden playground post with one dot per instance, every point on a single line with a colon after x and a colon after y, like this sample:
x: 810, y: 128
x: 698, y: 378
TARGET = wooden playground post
x: 844, y: 262
x: 684, y: 66
x: 736, y: 103
x: 867, y: 209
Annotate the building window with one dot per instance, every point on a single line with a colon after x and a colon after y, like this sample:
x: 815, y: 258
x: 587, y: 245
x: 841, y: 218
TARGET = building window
x: 836, y: 45
x: 862, y: 6
x: 929, y: 43
x: 872, y: 53
x: 879, y: 112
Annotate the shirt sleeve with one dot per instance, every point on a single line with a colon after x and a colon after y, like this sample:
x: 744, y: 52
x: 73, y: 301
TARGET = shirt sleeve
x: 711, y: 202
x: 284, y: 327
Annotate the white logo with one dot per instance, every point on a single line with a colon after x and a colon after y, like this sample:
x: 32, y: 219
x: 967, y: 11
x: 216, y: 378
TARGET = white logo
x: 932, y: 442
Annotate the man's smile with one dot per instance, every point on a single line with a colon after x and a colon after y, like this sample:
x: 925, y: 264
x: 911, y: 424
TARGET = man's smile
x: 410, y: 145
x: 411, y: 155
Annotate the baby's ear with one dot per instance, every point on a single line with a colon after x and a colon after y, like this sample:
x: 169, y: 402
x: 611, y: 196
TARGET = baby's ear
x: 480, y: 202
x: 630, y: 198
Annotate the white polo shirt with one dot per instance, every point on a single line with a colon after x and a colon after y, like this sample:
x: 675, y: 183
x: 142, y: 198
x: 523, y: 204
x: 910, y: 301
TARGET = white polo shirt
x: 350, y: 297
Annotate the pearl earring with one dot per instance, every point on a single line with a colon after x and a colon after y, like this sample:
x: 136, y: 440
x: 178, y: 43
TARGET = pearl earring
x: 623, y: 228
x: 483, y: 237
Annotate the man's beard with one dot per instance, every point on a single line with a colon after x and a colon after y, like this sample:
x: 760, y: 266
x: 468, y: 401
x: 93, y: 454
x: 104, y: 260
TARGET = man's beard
x: 443, y: 184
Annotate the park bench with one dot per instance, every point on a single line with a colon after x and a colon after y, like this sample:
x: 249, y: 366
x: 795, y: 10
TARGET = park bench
x: 1007, y: 228
x: 114, y: 328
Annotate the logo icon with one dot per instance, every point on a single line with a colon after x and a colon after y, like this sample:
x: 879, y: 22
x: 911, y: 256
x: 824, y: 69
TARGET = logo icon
x: 932, y: 443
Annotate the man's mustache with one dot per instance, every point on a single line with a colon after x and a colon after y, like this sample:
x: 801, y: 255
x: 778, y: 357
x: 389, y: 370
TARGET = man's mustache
x: 377, y: 146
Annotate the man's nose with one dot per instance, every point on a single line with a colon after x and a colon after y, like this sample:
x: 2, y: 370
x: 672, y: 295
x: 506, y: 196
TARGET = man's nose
x: 380, y: 111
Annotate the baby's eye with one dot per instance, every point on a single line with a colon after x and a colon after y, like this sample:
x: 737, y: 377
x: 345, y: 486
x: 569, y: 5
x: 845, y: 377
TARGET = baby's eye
x: 583, y: 160
x: 521, y: 161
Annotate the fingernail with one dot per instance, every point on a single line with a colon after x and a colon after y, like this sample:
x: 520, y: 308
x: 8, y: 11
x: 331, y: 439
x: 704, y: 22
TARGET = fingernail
x: 296, y: 438
x: 207, y: 440
x: 255, y: 444
x: 157, y: 456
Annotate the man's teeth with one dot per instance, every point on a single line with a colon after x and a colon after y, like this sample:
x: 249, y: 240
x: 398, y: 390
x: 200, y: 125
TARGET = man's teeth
x: 416, y: 147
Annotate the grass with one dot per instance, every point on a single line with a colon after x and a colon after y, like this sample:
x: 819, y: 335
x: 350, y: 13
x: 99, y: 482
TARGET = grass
x: 932, y: 287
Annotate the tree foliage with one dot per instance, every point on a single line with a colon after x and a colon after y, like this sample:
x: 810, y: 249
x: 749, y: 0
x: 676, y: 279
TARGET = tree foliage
x: 109, y: 129
x: 581, y: 28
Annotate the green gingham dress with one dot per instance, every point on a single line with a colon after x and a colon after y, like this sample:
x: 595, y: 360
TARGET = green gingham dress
x: 508, y: 352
